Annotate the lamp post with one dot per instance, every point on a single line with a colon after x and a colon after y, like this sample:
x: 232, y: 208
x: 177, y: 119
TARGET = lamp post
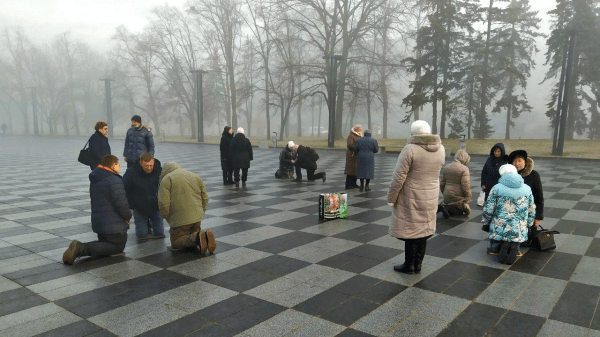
x: 331, y: 95
x: 200, y: 103
x: 108, y: 100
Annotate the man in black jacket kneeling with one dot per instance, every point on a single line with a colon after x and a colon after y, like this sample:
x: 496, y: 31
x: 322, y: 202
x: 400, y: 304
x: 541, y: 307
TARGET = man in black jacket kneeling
x: 307, y: 159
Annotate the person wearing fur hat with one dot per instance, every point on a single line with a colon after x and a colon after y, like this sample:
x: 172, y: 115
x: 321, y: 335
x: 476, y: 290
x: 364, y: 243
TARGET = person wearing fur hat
x: 456, y: 186
x: 531, y: 177
x: 509, y: 212
x: 137, y: 141
x: 287, y: 158
x: 414, y: 192
x: 351, y: 158
x: 240, y: 153
x: 366, y: 147
x: 490, y: 174
x: 226, y: 138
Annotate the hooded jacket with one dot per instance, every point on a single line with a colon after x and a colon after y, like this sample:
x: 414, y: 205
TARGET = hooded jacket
x: 490, y: 174
x: 138, y: 141
x: 142, y: 188
x: 226, y: 138
x: 182, y: 197
x: 351, y: 154
x: 414, y: 189
x: 240, y: 152
x: 509, y: 209
x: 110, y: 209
x: 99, y: 147
x: 456, y: 181
x: 304, y: 160
x: 532, y: 179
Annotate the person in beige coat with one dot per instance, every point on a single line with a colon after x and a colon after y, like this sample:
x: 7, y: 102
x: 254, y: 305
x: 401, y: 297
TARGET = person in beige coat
x: 351, y: 157
x: 182, y: 201
x: 414, y: 193
x: 456, y: 186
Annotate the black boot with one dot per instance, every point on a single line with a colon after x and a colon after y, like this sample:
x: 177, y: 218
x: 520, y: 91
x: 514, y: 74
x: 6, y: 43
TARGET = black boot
x: 224, y: 177
x: 367, y: 186
x: 362, y: 185
x: 442, y: 208
x: 408, y: 267
x: 420, y: 249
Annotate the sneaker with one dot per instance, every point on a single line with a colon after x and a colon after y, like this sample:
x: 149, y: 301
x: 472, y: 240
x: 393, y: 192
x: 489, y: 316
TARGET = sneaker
x: 210, y: 239
x: 72, y: 252
x: 201, y: 241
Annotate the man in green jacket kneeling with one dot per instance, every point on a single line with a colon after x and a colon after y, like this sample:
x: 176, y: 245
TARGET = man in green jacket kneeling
x: 182, y: 201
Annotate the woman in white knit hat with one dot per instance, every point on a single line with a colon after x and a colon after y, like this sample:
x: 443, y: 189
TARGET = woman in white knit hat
x: 509, y: 211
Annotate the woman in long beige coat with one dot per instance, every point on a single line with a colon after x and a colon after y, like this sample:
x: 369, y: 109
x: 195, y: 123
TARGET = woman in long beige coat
x: 351, y: 156
x: 414, y: 192
x: 456, y: 186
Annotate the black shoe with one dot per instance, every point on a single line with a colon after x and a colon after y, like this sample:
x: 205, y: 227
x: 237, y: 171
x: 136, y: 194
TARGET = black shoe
x: 237, y: 184
x: 503, y: 253
x: 445, y: 212
x: 405, y: 268
x: 512, y: 254
x: 298, y: 180
x: 360, y: 189
x: 367, y: 189
x: 324, y: 177
x: 243, y: 184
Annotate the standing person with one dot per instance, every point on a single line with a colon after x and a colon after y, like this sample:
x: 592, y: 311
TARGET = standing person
x: 182, y: 201
x: 110, y: 213
x: 98, y: 143
x: 490, y: 174
x: 366, y: 147
x: 456, y: 186
x: 307, y: 159
x: 531, y: 177
x: 287, y: 158
x: 137, y: 141
x: 350, y: 169
x: 141, y: 185
x: 509, y: 211
x: 226, y: 138
x: 414, y: 193
x: 240, y: 153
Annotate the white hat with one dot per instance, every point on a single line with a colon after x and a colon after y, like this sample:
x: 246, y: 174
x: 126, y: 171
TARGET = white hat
x: 240, y: 130
x: 507, y: 168
x: 291, y: 144
x: 420, y: 128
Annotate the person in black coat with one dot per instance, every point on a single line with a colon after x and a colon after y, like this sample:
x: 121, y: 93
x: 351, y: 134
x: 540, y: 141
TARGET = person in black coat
x: 98, y: 143
x: 490, y: 174
x: 141, y: 185
x: 226, y: 138
x: 240, y: 153
x: 531, y: 177
x: 305, y: 161
x: 110, y: 213
x: 287, y: 158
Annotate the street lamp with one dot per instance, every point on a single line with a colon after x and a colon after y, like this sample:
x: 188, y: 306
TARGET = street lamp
x: 200, y: 103
x: 108, y: 100
x: 332, y: 91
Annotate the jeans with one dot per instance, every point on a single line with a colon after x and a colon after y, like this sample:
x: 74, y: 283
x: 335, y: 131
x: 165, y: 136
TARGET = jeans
x: 496, y: 245
x: 184, y: 236
x: 141, y: 224
x: 107, y: 244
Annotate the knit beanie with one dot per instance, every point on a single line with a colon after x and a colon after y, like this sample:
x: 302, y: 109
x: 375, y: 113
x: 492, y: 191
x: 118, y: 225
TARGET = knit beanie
x: 420, y: 128
x: 240, y: 130
x: 507, y: 168
x: 291, y: 144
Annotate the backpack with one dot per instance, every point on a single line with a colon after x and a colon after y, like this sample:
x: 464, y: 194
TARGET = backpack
x: 312, y: 154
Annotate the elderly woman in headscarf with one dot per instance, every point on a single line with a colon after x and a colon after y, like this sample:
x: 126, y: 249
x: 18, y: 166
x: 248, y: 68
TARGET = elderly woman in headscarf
x: 351, y: 157
x: 414, y: 193
x: 456, y: 186
x: 366, y: 147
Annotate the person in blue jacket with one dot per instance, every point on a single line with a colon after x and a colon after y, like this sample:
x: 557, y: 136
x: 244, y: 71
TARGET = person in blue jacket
x: 110, y: 213
x: 137, y: 141
x: 490, y: 173
x: 98, y: 143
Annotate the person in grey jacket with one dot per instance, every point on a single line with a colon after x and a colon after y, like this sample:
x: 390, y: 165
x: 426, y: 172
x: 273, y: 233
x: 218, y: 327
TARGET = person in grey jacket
x: 365, y: 147
x: 110, y: 213
x: 137, y: 141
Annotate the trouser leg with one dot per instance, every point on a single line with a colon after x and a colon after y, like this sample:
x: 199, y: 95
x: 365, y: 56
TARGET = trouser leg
x: 107, y: 244
x: 244, y: 174
x: 367, y: 182
x: 236, y: 174
x: 298, y: 173
x: 230, y: 175
x: 141, y: 224
x: 224, y: 176
x: 185, y: 236
x: 158, y: 228
x: 362, y: 183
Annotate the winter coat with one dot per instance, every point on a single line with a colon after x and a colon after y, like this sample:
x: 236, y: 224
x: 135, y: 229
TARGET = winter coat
x: 110, y: 209
x: 142, y: 188
x: 533, y: 180
x: 509, y: 210
x: 414, y: 189
x: 99, y: 148
x: 137, y: 142
x: 304, y: 161
x: 351, y: 153
x: 490, y: 173
x: 182, y: 197
x: 240, y: 152
x: 366, y: 147
x: 285, y: 160
x: 456, y: 181
x: 226, y: 138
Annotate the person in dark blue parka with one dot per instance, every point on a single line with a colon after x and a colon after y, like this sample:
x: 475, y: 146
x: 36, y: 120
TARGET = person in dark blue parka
x: 365, y: 147
x: 137, y: 141
x: 110, y: 213
x: 98, y: 143
x: 490, y: 174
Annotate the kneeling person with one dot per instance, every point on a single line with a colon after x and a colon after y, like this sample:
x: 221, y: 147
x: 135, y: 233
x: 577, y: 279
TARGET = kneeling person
x: 182, y: 201
x: 307, y: 159
x: 110, y: 213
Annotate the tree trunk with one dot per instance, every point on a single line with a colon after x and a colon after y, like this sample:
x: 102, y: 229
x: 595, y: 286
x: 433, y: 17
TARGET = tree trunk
x: 299, y: 108
x: 484, y: 75
x: 573, y: 99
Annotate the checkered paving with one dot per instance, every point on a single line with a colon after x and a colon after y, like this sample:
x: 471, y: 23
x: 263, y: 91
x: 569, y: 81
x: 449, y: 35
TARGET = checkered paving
x: 278, y: 270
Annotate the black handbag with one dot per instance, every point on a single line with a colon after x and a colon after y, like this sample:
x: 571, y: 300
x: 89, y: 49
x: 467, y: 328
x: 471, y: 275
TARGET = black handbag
x: 543, y: 240
x: 85, y: 155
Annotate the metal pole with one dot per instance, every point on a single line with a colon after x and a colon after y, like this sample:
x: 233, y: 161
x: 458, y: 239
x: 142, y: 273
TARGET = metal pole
x: 200, y: 103
x: 331, y: 135
x: 108, y: 101
x: 34, y: 110
x: 560, y: 99
x: 565, y: 103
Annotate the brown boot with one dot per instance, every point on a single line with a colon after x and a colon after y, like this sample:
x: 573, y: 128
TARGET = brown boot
x: 201, y: 241
x: 210, y: 238
x: 467, y: 210
x: 73, y: 252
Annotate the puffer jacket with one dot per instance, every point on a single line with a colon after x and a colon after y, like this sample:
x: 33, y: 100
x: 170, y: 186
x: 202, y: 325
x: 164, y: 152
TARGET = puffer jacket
x: 351, y: 153
x: 137, y: 142
x: 142, y: 188
x: 182, y: 197
x: 110, y: 209
x: 240, y: 152
x: 285, y: 159
x: 509, y: 210
x: 415, y: 185
x: 490, y: 173
x: 224, y: 146
x: 533, y: 180
x: 99, y: 147
x: 456, y: 181
x: 304, y: 161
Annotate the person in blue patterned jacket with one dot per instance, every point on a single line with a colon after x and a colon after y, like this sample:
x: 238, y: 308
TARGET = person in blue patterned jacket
x: 509, y: 211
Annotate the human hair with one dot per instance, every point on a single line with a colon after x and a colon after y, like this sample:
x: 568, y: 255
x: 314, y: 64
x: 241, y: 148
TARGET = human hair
x: 146, y: 157
x: 109, y: 161
x: 100, y: 125
x: 226, y: 129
